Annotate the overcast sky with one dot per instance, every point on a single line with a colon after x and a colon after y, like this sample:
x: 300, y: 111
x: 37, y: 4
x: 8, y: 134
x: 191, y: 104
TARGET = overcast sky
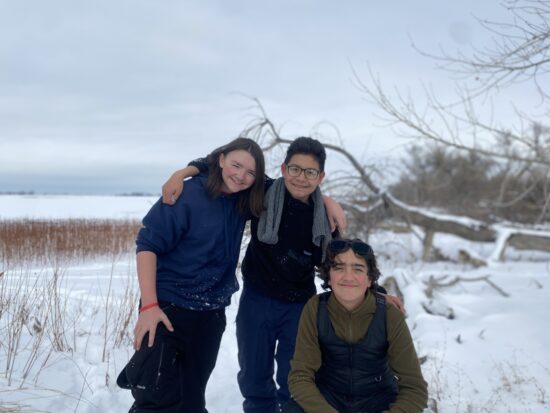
x: 112, y: 96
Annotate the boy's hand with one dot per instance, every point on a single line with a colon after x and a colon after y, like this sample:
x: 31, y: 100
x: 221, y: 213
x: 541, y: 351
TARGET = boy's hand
x: 172, y: 189
x: 395, y: 301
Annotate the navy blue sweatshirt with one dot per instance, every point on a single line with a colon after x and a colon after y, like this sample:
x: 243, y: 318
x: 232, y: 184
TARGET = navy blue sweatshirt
x: 197, y: 243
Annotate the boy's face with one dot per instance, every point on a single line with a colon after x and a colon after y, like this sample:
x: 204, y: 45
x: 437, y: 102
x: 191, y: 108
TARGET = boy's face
x: 300, y: 186
x: 349, y: 279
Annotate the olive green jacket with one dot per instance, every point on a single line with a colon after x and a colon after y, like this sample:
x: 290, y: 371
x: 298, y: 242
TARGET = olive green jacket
x: 352, y: 327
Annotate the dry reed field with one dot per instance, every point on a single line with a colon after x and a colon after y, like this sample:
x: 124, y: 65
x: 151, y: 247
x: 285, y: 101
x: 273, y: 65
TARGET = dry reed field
x: 64, y: 240
x: 52, y: 313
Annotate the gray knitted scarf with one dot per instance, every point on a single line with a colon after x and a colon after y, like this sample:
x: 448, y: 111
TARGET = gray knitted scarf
x: 269, y: 222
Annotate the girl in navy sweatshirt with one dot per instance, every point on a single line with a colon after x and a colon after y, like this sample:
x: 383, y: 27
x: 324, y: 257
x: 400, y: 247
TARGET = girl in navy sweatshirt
x: 187, y: 255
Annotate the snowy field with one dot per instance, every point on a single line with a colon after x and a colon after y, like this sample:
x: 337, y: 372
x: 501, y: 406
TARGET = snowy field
x: 74, y: 206
x: 482, y: 333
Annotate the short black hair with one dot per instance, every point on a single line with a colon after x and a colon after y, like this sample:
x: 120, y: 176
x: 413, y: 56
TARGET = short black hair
x: 307, y: 146
x: 330, y: 260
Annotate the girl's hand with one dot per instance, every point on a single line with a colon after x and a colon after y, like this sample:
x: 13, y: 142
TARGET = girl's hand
x: 147, y: 323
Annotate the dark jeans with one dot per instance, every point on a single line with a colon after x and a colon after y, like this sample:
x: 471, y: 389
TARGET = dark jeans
x: 171, y: 376
x: 266, y: 332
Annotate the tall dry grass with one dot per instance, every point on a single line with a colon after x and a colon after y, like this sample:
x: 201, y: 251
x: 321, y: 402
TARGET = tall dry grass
x: 39, y: 317
x: 49, y: 242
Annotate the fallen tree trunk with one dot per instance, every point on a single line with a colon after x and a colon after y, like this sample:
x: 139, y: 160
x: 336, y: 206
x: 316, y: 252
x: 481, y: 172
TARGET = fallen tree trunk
x: 463, y: 227
x: 529, y: 241
x: 467, y: 228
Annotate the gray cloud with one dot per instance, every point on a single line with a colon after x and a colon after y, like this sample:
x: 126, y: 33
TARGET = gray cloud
x: 97, y: 89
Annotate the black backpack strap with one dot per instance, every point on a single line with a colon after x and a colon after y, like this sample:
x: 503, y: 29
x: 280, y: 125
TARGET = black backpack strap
x: 379, y: 321
x: 323, y: 320
x: 380, y: 299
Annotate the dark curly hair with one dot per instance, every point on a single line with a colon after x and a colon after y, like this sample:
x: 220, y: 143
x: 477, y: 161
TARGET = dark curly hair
x: 339, y: 246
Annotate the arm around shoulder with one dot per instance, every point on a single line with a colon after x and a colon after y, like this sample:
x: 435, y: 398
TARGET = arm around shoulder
x: 335, y: 214
x: 173, y: 187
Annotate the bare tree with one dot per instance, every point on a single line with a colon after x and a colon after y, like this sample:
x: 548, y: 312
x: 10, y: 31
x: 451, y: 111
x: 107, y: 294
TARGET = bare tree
x: 520, y: 50
x: 369, y: 202
x: 520, y: 53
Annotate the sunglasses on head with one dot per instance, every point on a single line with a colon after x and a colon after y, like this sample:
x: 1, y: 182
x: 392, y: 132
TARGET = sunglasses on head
x: 359, y: 247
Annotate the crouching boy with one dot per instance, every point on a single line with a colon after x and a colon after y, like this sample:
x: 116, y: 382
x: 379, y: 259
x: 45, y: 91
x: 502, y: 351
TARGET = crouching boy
x: 354, y: 353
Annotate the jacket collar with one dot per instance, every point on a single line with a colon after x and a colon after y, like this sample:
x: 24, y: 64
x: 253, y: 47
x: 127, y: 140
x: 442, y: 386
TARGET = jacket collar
x: 368, y: 306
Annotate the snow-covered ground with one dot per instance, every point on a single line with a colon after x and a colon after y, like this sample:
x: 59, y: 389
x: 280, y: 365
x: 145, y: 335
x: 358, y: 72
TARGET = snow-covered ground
x: 491, y: 356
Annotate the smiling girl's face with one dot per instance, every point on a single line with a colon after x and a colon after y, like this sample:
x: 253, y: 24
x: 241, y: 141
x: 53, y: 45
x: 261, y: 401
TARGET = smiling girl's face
x: 238, y: 171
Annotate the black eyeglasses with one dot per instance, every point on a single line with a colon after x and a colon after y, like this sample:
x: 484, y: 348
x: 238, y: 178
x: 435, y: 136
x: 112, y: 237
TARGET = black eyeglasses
x: 309, y: 173
x: 359, y: 247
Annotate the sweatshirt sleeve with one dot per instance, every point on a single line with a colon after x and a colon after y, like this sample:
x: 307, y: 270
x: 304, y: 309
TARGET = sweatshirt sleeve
x: 163, y: 227
x: 306, y: 362
x: 413, y: 390
x: 201, y: 164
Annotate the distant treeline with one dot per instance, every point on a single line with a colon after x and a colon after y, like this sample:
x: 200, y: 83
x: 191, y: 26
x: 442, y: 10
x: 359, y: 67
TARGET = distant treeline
x: 468, y: 183
x: 144, y: 194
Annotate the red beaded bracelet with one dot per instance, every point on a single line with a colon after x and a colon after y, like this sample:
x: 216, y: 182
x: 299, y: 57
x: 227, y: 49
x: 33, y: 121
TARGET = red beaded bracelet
x: 147, y: 307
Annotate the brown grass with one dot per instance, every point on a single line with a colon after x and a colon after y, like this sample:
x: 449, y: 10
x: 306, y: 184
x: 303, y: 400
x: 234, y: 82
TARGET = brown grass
x: 66, y: 240
x: 36, y: 317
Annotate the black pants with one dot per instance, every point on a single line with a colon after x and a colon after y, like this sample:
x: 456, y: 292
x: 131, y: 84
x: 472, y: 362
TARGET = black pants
x: 171, y: 376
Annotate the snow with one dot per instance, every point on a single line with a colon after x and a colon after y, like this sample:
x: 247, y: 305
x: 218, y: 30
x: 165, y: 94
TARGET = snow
x: 503, y: 234
x: 491, y: 357
x: 74, y: 206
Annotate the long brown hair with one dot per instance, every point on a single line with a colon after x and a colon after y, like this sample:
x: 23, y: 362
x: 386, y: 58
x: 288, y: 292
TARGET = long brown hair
x: 250, y: 200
